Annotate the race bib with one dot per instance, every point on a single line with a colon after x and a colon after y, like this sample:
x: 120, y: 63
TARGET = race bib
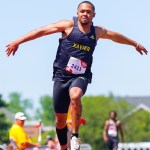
x: 112, y: 132
x: 76, y: 66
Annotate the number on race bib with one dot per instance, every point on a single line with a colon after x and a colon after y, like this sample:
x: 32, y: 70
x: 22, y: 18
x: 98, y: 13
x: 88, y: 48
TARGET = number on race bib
x: 73, y: 66
x: 76, y: 66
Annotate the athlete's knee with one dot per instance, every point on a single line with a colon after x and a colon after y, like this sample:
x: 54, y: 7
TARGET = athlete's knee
x: 75, y: 98
x: 60, y: 120
x: 75, y: 101
x: 75, y: 95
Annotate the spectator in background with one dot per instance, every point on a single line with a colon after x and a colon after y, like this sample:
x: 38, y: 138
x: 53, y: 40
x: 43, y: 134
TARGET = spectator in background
x: 9, y: 147
x: 57, y: 144
x: 50, y: 142
x: 111, y: 129
x: 19, y: 138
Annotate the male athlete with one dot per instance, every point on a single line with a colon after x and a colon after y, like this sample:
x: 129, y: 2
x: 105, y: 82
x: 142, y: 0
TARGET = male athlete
x: 111, y: 129
x: 72, y: 66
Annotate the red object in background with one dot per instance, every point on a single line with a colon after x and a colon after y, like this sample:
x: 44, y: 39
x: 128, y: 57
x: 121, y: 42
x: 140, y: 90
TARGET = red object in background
x: 37, y: 126
x: 82, y: 121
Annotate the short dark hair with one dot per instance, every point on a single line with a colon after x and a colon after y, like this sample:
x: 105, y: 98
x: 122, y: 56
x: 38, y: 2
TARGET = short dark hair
x: 88, y: 2
x: 113, y: 111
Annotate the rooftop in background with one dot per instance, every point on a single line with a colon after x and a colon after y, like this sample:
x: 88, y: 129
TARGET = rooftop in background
x: 137, y: 100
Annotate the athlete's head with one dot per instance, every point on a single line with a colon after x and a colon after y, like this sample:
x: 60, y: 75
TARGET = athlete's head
x: 86, y: 12
x: 112, y: 114
x: 87, y: 2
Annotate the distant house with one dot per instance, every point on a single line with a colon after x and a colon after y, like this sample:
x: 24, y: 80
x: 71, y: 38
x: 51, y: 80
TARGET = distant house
x: 138, y: 103
x: 138, y: 108
x: 137, y: 100
x: 9, y: 115
x: 31, y: 128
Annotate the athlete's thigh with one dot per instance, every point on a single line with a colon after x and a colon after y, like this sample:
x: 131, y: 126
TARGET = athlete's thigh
x: 80, y: 83
x: 61, y: 99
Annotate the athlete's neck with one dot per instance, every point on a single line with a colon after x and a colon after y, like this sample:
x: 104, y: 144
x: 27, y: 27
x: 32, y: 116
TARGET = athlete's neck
x: 85, y: 28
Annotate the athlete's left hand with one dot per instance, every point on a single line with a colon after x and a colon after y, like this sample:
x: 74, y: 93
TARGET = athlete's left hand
x: 141, y: 49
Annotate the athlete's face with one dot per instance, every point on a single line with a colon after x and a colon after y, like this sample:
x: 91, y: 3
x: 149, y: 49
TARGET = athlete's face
x: 85, y: 13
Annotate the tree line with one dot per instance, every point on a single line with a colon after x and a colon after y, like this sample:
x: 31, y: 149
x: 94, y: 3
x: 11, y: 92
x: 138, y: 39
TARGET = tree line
x: 95, y: 110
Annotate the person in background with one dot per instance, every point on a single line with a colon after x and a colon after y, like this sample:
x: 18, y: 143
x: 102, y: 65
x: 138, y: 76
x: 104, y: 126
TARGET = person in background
x: 50, y: 142
x: 57, y: 144
x: 10, y: 147
x: 111, y: 129
x: 18, y: 136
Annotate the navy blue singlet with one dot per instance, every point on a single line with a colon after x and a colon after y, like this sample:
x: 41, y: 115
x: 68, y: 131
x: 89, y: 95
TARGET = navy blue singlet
x: 78, y: 45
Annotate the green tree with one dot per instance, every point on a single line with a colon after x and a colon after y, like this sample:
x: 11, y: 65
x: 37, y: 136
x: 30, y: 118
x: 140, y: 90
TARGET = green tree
x: 16, y: 103
x: 4, y: 124
x: 137, y: 126
x: 45, y: 110
x: 2, y: 102
x: 96, y: 110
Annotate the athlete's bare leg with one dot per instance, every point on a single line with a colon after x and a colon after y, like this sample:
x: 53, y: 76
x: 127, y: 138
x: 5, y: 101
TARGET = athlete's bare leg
x: 76, y: 107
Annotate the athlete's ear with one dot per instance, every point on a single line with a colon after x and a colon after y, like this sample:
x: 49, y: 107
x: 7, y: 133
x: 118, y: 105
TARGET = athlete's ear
x: 94, y: 14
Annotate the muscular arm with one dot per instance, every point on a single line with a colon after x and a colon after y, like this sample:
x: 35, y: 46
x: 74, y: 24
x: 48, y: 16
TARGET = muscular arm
x: 60, y: 26
x: 119, y: 38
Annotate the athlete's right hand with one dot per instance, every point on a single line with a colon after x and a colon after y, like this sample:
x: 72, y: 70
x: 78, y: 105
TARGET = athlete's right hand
x: 12, y: 48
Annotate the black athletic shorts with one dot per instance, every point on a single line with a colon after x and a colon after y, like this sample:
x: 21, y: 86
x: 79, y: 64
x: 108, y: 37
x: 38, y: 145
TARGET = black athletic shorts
x: 61, y: 98
x: 112, y: 143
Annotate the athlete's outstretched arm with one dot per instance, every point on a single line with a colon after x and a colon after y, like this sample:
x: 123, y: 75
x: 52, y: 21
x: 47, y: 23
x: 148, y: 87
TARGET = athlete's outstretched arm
x: 37, y: 33
x: 119, y: 38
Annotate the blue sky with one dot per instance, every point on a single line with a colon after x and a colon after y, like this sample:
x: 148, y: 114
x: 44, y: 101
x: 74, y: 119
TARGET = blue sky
x: 116, y: 68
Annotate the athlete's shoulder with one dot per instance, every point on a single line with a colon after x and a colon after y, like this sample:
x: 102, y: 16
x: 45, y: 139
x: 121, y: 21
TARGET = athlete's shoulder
x: 100, y: 28
x: 100, y: 31
x: 66, y: 23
